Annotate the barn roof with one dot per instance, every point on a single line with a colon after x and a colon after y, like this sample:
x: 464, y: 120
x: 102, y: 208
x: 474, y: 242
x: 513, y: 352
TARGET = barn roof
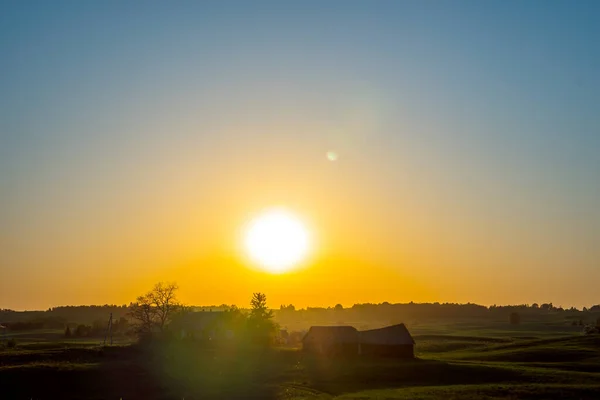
x: 389, y: 335
x: 339, y: 334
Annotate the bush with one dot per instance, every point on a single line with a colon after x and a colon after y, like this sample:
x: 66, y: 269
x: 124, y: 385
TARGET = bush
x: 591, y: 330
x: 83, y: 330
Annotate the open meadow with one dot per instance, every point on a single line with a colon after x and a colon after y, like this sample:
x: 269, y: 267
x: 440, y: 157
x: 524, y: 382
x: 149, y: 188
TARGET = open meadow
x: 455, y: 360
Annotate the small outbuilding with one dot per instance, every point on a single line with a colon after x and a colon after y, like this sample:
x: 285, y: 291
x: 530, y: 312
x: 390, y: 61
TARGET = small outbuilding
x: 331, y: 340
x: 390, y: 341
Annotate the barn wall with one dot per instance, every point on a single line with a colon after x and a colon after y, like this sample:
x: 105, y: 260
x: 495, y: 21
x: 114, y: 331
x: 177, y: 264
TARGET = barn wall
x: 399, y: 351
x: 331, y: 349
x: 347, y: 349
x: 310, y: 347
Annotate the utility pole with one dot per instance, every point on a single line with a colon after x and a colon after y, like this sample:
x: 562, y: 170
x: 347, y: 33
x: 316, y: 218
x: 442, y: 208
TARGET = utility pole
x: 109, y: 331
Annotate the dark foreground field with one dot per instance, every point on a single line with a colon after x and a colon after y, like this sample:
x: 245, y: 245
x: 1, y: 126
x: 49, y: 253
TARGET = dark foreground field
x: 448, y: 367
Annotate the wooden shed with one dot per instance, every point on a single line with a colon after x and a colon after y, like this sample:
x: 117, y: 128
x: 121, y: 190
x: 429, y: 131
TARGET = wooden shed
x: 390, y: 341
x: 331, y: 340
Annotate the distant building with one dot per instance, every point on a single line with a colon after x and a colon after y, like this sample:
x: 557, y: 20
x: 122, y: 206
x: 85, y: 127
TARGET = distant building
x: 390, y: 341
x: 207, y: 325
x: 331, y: 340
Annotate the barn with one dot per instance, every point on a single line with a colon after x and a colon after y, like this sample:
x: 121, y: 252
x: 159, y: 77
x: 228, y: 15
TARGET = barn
x: 331, y: 340
x: 390, y: 341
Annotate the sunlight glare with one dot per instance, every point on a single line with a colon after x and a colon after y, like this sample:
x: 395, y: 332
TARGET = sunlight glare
x: 277, y: 241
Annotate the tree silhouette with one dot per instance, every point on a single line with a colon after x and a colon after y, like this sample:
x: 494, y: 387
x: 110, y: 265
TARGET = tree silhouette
x: 154, y: 310
x: 260, y: 321
x: 83, y: 330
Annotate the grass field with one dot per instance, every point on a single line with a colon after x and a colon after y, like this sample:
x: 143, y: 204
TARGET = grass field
x: 53, y: 336
x: 451, y: 364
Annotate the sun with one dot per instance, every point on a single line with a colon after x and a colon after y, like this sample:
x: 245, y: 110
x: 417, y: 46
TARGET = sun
x: 277, y: 241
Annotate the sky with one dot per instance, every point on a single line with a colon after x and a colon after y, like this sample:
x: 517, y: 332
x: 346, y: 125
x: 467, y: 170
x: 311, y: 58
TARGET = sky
x: 137, y: 138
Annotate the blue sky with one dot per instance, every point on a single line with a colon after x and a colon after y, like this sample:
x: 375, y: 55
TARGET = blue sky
x: 476, y: 121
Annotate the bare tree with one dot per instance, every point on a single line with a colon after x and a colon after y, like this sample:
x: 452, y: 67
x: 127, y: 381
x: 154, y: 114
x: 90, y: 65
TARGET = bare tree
x: 154, y: 310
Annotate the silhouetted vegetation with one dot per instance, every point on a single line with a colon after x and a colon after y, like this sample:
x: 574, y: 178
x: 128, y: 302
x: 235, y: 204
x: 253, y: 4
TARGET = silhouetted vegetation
x: 83, y: 330
x: 153, y: 311
x: 57, y: 317
x: 261, y: 327
x: 362, y: 315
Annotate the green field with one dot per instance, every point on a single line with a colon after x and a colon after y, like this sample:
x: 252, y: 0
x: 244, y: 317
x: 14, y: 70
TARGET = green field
x: 455, y: 361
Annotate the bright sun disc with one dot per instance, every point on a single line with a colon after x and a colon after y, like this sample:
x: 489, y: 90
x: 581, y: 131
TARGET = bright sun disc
x: 277, y: 241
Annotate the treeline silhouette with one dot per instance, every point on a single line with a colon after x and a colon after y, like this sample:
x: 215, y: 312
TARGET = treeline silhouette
x: 387, y: 313
x: 435, y: 309
x: 59, y: 317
